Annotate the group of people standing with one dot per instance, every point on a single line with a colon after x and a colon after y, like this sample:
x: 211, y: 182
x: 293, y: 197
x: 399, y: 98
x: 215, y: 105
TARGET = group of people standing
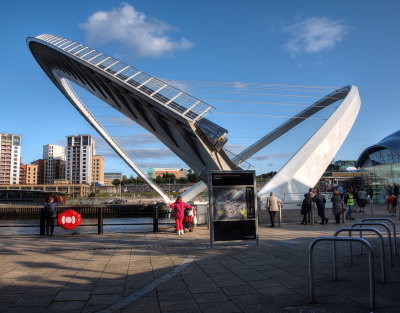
x: 311, y: 197
x: 341, y: 199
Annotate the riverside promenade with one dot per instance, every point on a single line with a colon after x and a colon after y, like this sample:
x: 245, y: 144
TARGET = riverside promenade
x: 164, y: 272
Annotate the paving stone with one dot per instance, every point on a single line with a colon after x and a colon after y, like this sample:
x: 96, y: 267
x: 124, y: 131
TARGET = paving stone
x: 221, y: 307
x: 239, y: 290
x: 24, y: 309
x: 65, y: 306
x: 109, y: 290
x: 66, y: 295
x: 210, y: 297
x: 103, y: 299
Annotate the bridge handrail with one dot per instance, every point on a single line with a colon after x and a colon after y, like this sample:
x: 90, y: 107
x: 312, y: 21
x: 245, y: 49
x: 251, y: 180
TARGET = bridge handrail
x: 387, y: 230
x: 371, y: 265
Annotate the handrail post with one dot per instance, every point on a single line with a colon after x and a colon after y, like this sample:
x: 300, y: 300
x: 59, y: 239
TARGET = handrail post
x: 155, y: 219
x: 280, y: 215
x: 42, y: 223
x: 350, y: 250
x: 100, y: 221
x: 372, y: 207
x: 388, y: 232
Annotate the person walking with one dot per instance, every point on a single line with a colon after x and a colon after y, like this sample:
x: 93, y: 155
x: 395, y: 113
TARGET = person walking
x: 349, y: 200
x: 306, y: 207
x: 272, y: 206
x: 50, y: 212
x: 179, y: 213
x: 337, y: 205
x: 320, y: 201
x: 361, y: 200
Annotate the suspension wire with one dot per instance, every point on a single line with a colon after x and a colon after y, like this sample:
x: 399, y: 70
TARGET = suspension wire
x: 218, y: 88
x: 270, y: 115
x: 266, y: 102
x: 250, y: 84
x: 275, y: 95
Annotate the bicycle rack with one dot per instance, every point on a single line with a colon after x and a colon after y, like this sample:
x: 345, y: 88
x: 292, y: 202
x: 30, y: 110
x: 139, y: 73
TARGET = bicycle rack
x: 394, y: 228
x: 350, y: 230
x: 334, y: 239
x: 388, y: 232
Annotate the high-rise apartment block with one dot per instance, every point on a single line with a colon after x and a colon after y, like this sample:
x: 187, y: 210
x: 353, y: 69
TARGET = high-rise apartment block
x: 29, y: 174
x: 10, y: 154
x: 54, y: 165
x: 98, y: 169
x: 79, y: 159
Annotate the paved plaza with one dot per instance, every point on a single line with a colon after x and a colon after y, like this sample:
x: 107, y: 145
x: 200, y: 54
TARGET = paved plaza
x: 164, y: 272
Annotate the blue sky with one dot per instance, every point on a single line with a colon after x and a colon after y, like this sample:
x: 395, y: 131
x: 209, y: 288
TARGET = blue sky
x: 256, y: 62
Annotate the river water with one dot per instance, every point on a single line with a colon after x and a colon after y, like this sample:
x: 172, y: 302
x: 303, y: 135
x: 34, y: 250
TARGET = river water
x: 19, y: 226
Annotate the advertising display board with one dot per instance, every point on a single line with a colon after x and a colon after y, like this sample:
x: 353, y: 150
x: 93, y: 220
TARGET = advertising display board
x: 233, y: 208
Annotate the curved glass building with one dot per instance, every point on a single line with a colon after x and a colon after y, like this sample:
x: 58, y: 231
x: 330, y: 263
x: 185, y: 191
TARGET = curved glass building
x: 381, y: 165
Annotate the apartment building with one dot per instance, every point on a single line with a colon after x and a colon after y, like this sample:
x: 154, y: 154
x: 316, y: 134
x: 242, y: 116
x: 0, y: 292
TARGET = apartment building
x: 80, y: 151
x: 54, y: 165
x: 98, y: 170
x: 10, y: 155
x: 28, y: 174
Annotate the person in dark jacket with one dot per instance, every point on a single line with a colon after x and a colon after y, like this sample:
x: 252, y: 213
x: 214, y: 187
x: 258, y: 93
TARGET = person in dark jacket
x: 320, y: 201
x: 306, y: 207
x: 50, y: 212
x: 337, y: 205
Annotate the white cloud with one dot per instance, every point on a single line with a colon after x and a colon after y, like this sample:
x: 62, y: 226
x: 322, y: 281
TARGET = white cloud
x: 314, y: 35
x: 272, y: 156
x: 133, y: 29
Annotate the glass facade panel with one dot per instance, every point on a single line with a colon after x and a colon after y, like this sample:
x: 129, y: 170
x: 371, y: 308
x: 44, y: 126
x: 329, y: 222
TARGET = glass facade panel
x: 379, y: 177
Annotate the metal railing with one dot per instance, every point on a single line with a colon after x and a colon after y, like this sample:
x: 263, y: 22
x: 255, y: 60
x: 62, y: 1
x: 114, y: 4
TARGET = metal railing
x: 100, y: 212
x: 335, y: 239
x: 388, y: 232
x: 390, y: 221
x: 350, y: 230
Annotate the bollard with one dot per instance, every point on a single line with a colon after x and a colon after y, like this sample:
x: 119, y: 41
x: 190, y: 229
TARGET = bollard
x: 100, y: 221
x: 42, y: 223
x: 155, y: 219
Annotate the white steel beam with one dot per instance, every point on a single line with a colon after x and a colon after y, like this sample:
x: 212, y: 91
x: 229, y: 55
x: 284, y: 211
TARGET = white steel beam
x: 84, y: 111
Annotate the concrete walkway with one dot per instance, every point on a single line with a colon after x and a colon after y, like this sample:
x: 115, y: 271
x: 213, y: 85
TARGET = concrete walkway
x: 164, y: 272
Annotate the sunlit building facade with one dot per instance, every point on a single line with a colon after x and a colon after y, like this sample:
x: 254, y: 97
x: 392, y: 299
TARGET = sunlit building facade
x: 10, y: 155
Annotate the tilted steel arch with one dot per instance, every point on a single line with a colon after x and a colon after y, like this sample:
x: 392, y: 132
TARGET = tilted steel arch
x: 173, y: 116
x: 306, y: 166
x: 177, y: 119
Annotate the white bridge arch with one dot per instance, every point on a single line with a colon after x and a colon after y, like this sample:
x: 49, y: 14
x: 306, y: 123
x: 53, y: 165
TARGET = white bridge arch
x: 177, y: 119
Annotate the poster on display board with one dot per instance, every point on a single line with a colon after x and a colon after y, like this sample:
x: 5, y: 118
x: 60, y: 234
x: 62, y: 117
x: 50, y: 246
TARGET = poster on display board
x: 233, y: 208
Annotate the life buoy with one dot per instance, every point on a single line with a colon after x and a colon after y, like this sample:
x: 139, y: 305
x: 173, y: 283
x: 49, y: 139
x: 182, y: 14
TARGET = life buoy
x: 69, y: 219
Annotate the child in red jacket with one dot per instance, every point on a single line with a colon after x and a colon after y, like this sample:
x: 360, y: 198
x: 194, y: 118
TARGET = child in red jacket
x: 179, y: 213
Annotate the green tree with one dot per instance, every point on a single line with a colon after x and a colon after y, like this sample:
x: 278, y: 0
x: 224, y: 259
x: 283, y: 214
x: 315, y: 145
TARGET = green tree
x: 116, y: 182
x: 192, y: 178
x: 182, y: 180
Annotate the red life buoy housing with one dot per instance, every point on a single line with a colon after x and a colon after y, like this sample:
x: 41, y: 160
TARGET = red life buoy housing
x: 69, y: 219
